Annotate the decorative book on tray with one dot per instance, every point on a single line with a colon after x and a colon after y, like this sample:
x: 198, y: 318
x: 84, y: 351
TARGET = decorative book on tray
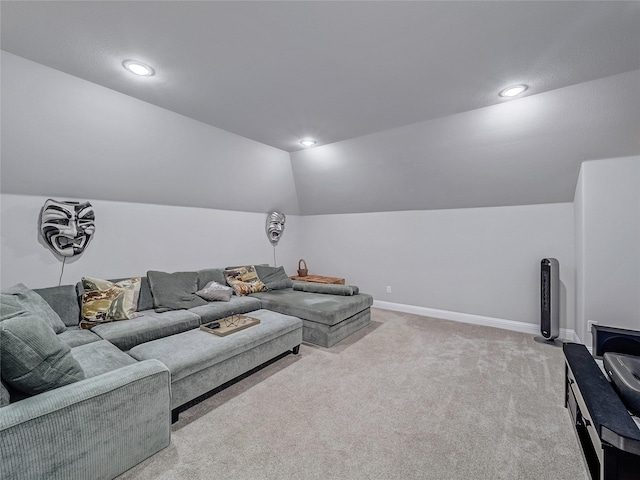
x: 228, y: 325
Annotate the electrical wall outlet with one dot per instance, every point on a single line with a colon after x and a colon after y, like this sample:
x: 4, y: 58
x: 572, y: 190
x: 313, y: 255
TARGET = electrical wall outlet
x: 388, y: 288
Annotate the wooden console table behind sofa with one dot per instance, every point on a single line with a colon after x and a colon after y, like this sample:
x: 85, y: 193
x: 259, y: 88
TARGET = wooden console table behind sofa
x: 320, y: 279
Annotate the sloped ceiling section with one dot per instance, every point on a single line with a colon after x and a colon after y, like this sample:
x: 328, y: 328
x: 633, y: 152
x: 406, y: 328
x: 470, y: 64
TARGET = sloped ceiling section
x: 402, y: 97
x: 527, y: 151
x: 275, y: 71
x: 66, y: 137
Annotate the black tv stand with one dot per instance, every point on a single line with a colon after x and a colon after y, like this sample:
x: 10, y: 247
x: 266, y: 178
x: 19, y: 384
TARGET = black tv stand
x: 609, y: 437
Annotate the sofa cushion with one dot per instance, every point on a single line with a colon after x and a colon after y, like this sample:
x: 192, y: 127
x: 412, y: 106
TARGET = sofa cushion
x: 214, y: 292
x: 100, y: 357
x: 217, y: 310
x: 145, y: 298
x: 30, y: 301
x: 174, y: 291
x: 105, y: 301
x: 274, y: 278
x: 211, y: 275
x: 331, y: 289
x: 76, y: 336
x: 317, y: 307
x: 244, y: 280
x: 5, y: 398
x: 193, y: 351
x: 32, y: 358
x: 10, y: 307
x: 63, y: 300
x: 149, y: 326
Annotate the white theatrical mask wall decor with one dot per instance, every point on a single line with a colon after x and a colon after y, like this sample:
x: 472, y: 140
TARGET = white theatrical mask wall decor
x: 275, y: 227
x: 67, y: 227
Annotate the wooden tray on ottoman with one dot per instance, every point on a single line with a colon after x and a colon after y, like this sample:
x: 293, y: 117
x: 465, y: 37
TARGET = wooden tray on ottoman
x: 320, y: 279
x: 231, y: 324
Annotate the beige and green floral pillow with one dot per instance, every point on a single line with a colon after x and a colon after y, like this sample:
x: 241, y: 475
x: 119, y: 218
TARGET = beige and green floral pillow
x: 244, y: 280
x: 104, y: 301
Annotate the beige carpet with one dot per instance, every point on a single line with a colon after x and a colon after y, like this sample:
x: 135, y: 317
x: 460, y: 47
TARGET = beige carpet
x: 408, y: 397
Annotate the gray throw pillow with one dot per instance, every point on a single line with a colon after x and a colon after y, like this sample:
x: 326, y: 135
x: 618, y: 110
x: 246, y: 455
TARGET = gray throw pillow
x: 174, y: 291
x: 10, y: 307
x: 33, y: 359
x: 5, y: 398
x: 32, y: 302
x: 214, y: 292
x: 274, y: 278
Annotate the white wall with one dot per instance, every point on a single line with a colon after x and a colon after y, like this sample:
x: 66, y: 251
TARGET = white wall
x: 132, y: 238
x: 608, y: 238
x: 481, y: 261
x: 64, y: 136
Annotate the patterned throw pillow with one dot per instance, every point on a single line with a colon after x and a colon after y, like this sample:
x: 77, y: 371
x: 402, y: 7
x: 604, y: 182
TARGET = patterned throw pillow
x: 244, y: 280
x: 214, y: 292
x: 104, y: 301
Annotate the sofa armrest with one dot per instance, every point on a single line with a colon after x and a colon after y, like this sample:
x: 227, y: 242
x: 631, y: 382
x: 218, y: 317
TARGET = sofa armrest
x: 98, y: 427
x: 330, y: 289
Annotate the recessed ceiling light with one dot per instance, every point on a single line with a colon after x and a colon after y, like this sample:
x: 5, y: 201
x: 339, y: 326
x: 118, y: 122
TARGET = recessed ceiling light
x: 307, y: 142
x: 138, y: 68
x: 513, y: 90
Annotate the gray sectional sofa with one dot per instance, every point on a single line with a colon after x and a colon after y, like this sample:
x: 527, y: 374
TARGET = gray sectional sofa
x: 139, y: 373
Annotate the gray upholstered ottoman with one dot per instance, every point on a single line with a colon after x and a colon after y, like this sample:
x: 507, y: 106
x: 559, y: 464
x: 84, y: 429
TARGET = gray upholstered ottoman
x: 200, y: 361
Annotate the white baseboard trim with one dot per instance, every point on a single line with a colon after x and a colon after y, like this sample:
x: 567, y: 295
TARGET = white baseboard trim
x: 565, y: 334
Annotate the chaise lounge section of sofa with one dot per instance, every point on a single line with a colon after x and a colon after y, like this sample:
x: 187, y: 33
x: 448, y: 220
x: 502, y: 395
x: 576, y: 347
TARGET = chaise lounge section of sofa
x: 329, y: 314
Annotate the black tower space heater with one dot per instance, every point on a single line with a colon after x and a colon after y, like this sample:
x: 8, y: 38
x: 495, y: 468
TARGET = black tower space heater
x: 550, y: 298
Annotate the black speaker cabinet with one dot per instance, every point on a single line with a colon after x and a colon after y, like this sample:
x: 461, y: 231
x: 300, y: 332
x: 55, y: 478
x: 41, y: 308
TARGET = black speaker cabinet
x: 550, y: 298
x: 612, y: 339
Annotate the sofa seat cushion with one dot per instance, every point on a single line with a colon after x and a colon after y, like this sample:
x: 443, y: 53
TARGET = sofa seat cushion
x: 217, y: 310
x: 76, y: 336
x: 316, y: 307
x: 196, y: 350
x: 100, y: 357
x: 149, y: 326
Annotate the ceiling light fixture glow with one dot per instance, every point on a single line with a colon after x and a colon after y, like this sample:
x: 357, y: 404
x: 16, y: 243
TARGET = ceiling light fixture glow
x: 513, y: 90
x: 138, y: 68
x: 307, y: 142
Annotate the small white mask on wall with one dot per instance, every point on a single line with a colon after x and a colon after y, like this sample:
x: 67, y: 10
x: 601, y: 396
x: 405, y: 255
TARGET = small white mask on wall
x: 67, y: 227
x: 275, y: 226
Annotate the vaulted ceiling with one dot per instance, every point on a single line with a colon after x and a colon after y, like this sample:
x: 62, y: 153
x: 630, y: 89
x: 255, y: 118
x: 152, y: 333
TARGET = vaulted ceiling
x: 402, y: 97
